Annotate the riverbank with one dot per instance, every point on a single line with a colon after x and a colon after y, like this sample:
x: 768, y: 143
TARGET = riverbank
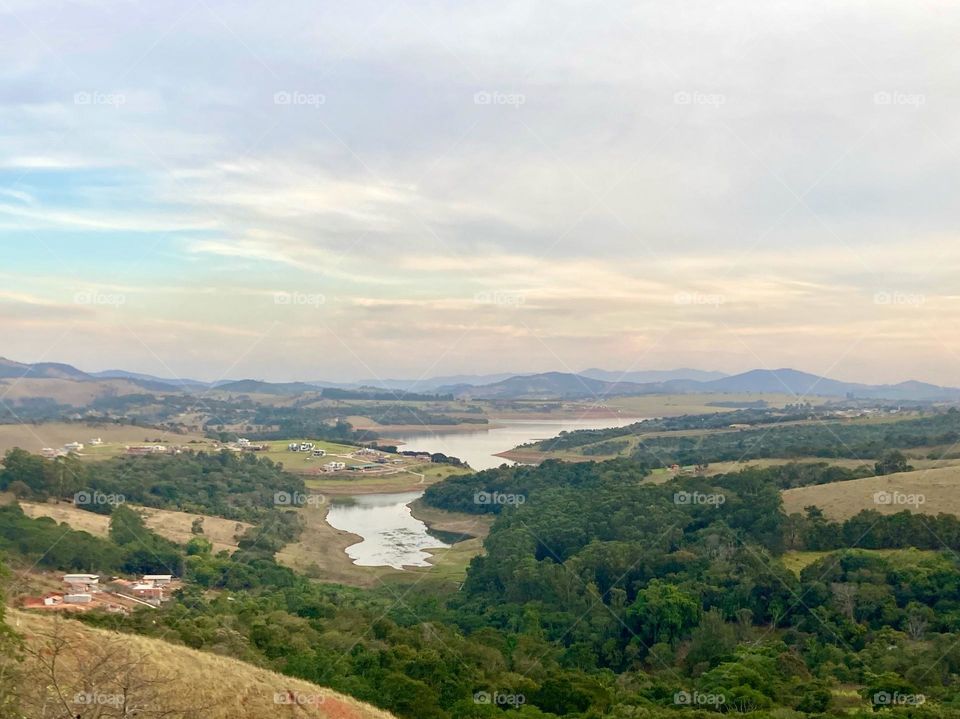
x: 321, y: 552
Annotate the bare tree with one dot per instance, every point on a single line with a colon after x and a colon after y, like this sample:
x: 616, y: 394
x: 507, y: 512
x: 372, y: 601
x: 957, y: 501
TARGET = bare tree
x: 102, y: 679
x: 846, y: 596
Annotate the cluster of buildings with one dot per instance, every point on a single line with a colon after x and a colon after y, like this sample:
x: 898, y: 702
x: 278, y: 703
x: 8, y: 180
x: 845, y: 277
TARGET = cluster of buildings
x: 52, y: 452
x: 145, y: 449
x: 245, y: 445
x: 84, y: 592
x: 306, y: 447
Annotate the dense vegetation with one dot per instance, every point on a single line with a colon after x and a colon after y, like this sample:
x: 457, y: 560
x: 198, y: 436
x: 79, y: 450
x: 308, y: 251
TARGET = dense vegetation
x: 828, y: 439
x: 600, y: 595
x: 225, y: 484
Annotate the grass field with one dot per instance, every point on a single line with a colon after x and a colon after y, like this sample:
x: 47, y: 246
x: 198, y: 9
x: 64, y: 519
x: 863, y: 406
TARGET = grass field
x: 797, y: 561
x: 674, y: 405
x: 932, y: 491
x: 175, y: 681
x: 175, y: 526
x: 34, y: 437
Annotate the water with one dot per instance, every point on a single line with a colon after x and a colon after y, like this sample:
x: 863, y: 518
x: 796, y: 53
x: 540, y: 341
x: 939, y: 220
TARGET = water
x: 391, y: 536
x: 478, y: 449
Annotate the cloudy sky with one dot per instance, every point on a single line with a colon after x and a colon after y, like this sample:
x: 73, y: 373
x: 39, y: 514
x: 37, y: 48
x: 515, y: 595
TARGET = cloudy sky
x: 310, y: 190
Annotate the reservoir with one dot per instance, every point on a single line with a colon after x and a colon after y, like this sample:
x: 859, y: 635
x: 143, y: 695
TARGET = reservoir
x: 479, y: 449
x: 392, y: 537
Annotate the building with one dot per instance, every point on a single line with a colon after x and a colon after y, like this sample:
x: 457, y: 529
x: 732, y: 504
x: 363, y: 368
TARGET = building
x: 73, y: 446
x: 157, y: 580
x: 334, y: 466
x: 77, y: 598
x: 319, y: 452
x: 82, y: 582
x: 96, y: 442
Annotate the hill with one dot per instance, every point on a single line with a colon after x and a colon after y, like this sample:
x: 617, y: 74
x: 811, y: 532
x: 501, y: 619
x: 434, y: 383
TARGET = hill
x: 552, y: 385
x: 94, y: 665
x: 926, y: 491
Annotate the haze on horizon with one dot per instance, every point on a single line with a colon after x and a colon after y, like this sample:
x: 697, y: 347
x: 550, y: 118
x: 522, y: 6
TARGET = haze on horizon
x: 419, y: 189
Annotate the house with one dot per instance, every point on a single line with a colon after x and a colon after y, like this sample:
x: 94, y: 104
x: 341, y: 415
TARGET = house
x: 157, y: 580
x: 243, y: 442
x: 96, y: 442
x: 293, y: 447
x: 77, y: 598
x: 82, y: 582
x: 51, y: 453
x: 73, y: 446
x: 334, y: 466
x: 319, y: 452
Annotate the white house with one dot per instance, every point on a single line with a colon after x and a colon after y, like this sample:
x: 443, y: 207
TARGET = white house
x: 334, y: 466
x: 73, y: 446
x: 157, y: 580
x: 82, y: 582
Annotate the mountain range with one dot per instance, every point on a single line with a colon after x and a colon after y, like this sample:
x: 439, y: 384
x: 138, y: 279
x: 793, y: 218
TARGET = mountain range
x: 590, y: 384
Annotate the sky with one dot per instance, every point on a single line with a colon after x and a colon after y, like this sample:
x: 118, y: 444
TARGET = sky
x: 404, y: 188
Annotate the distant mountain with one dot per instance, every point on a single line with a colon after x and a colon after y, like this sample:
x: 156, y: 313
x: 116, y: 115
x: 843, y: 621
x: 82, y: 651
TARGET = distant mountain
x: 138, y: 377
x: 434, y: 384
x: 252, y: 386
x: 655, y: 375
x: 803, y: 384
x: 38, y: 370
x: 552, y: 385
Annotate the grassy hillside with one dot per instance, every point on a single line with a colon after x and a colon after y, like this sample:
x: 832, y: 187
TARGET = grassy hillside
x: 929, y: 491
x: 163, y: 679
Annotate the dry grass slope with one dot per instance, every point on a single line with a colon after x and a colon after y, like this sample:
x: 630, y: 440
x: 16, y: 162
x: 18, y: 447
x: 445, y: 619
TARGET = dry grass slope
x: 939, y: 488
x: 220, y: 687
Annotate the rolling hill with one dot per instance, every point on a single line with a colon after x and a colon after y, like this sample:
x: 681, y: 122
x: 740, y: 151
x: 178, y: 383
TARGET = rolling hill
x: 165, y: 679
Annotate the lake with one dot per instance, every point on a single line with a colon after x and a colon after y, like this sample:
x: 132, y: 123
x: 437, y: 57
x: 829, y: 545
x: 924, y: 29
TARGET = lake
x: 479, y: 449
x: 392, y: 537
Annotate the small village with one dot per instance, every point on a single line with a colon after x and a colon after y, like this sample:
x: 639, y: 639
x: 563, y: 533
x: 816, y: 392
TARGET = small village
x: 85, y: 592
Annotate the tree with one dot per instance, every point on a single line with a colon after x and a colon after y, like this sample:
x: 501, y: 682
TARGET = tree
x: 662, y: 612
x: 76, y: 677
x: 891, y: 463
x: 10, y: 654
